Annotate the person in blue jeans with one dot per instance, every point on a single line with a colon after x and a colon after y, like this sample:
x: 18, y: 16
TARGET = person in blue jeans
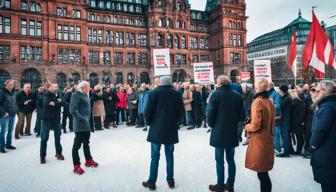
x: 8, y: 110
x: 51, y: 120
x: 276, y: 98
x: 162, y: 113
x: 223, y: 118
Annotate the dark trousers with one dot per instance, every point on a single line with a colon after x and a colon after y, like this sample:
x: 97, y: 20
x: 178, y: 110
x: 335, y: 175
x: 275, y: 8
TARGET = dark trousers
x: 81, y: 137
x: 265, y: 182
x: 141, y: 122
x: 48, y: 125
x: 97, y: 122
x: 23, y: 118
x: 307, y: 137
x: 38, y: 122
x: 219, y: 154
x: 300, y: 142
x: 108, y: 119
x: 132, y: 115
x: 67, y: 115
x: 197, y: 115
x: 328, y: 188
x: 155, y: 156
x: 120, y: 112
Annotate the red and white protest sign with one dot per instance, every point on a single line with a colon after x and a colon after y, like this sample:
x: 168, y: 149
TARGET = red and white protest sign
x: 262, y: 69
x: 161, y: 62
x: 203, y: 73
x: 245, y: 76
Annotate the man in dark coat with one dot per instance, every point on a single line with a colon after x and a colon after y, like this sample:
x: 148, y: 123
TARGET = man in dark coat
x: 39, y: 111
x: 110, y: 100
x: 80, y: 109
x: 162, y: 113
x: 8, y: 110
x: 224, y: 111
x: 51, y: 117
x: 323, y: 140
x: 286, y: 101
x: 66, y: 113
x: 26, y: 101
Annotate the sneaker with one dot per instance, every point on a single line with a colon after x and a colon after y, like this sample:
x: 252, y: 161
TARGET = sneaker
x: 229, y: 189
x: 28, y: 134
x: 145, y: 129
x: 17, y: 137
x: 149, y: 186
x: 191, y: 127
x: 3, y: 151
x: 216, y: 188
x: 171, y: 184
x: 91, y: 163
x: 78, y: 170
x: 10, y: 147
x: 99, y: 129
x: 43, y: 160
x: 59, y: 156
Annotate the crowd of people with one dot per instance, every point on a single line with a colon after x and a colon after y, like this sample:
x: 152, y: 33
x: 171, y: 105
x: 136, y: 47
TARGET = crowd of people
x: 285, y: 121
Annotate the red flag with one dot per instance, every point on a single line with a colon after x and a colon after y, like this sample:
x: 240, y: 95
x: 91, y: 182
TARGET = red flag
x: 292, y: 55
x: 318, y: 50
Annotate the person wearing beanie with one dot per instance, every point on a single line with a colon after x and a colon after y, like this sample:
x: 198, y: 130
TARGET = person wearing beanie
x: 285, y: 120
x: 162, y: 113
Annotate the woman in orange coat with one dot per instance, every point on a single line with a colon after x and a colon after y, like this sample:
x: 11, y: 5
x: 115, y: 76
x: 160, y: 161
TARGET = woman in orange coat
x: 260, y: 151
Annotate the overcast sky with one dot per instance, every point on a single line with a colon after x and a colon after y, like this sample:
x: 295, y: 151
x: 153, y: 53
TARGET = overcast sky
x: 268, y: 15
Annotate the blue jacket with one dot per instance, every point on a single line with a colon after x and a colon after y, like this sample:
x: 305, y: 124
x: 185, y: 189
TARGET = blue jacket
x: 323, y: 141
x: 143, y: 99
x: 224, y: 111
x: 276, y: 97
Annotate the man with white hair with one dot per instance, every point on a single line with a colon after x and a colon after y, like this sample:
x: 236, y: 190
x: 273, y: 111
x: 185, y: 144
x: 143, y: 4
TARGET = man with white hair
x: 80, y: 109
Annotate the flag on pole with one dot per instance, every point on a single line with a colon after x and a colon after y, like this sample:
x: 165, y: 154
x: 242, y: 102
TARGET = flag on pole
x: 292, y: 55
x: 318, y: 50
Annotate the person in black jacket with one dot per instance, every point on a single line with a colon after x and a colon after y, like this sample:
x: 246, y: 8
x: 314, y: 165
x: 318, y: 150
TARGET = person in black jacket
x: 162, y: 112
x: 132, y: 104
x: 110, y: 99
x: 285, y: 120
x: 323, y: 140
x: 8, y: 110
x: 26, y: 101
x: 225, y: 109
x: 205, y: 94
x: 66, y: 113
x: 52, y: 104
x: 39, y: 111
x: 298, y: 119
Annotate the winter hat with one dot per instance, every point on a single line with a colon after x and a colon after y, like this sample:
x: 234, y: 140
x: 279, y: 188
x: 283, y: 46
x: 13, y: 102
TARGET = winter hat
x: 284, y: 88
x: 165, y: 80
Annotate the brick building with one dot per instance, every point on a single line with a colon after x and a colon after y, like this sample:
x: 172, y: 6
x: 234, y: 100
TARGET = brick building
x: 112, y: 40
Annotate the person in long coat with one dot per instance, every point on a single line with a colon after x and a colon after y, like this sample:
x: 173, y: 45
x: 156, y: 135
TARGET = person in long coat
x: 260, y: 151
x: 187, y: 97
x: 323, y: 140
x: 162, y: 113
x: 298, y: 120
x: 223, y: 118
x: 98, y: 109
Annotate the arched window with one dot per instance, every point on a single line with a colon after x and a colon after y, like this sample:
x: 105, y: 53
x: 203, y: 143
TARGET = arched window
x: 178, y: 24
x: 34, y: 7
x: 178, y: 6
x: 160, y: 40
x: 32, y: 76
x: 179, y: 76
x: 119, y: 78
x: 75, y: 78
x: 144, y: 78
x: 169, y: 40
x: 4, y: 75
x: 94, y: 80
x: 161, y: 4
x: 168, y: 23
x: 107, y: 78
x: 61, y: 81
x: 184, y: 44
x: 130, y: 78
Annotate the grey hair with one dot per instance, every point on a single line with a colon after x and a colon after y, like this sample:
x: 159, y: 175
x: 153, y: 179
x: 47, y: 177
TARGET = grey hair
x: 224, y: 80
x: 8, y: 81
x: 328, y: 86
x: 82, y: 84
